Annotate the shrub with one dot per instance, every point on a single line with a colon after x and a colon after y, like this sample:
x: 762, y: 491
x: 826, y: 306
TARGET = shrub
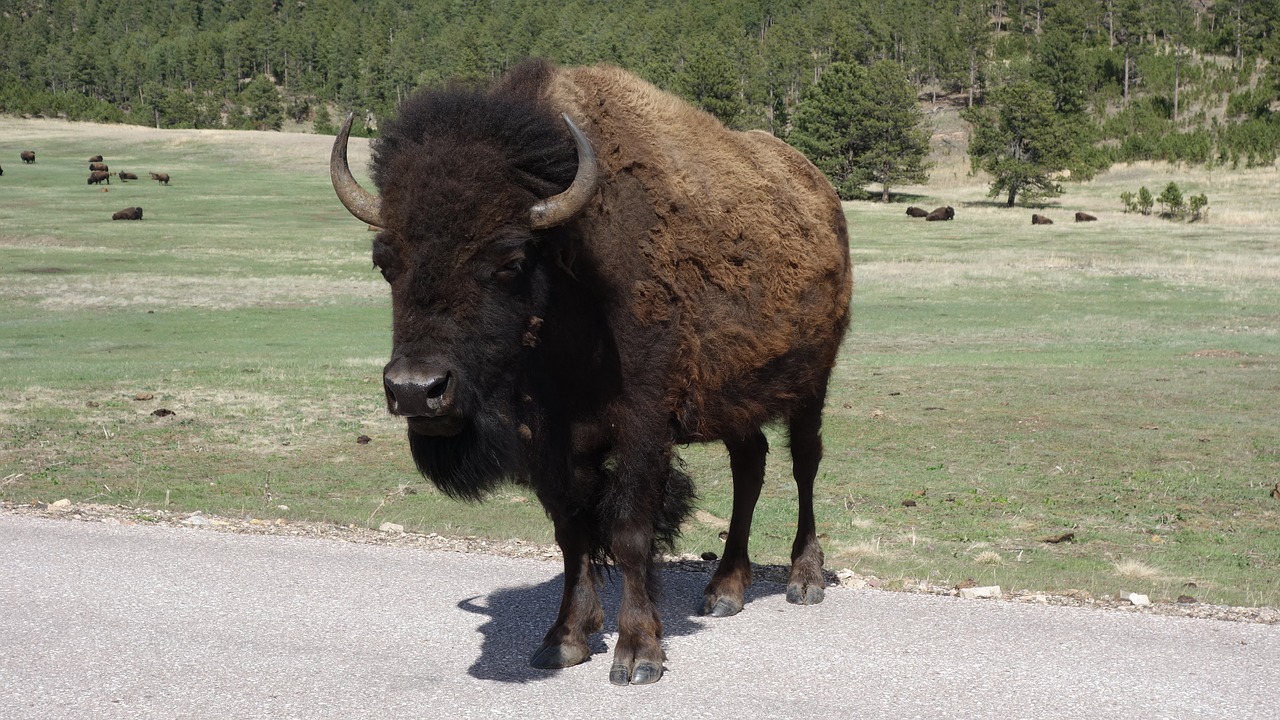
x: 1145, y: 200
x: 1171, y: 202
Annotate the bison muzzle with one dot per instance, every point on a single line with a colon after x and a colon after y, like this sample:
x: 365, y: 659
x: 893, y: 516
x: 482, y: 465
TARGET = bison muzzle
x: 586, y: 271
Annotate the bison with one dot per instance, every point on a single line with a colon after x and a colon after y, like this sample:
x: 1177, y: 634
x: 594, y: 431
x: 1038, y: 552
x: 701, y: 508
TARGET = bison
x: 1, y: 172
x: 162, y: 178
x: 99, y: 167
x: 28, y: 156
x: 1040, y: 220
x: 130, y: 213
x: 1084, y: 217
x: 586, y: 271
x: 126, y: 175
x: 916, y: 212
x: 942, y: 213
x: 95, y: 158
x: 97, y: 177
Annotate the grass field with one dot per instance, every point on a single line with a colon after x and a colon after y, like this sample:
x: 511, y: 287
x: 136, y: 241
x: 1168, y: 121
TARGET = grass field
x: 1002, y: 383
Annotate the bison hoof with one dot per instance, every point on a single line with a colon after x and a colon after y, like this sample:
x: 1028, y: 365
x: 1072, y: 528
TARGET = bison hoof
x: 721, y: 607
x: 644, y: 673
x: 556, y: 657
x: 798, y: 594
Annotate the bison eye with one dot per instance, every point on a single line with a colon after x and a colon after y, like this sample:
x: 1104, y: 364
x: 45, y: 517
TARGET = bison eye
x: 513, y: 269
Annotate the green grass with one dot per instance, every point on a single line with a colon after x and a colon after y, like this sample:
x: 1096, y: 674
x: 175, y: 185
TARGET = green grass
x: 1113, y: 379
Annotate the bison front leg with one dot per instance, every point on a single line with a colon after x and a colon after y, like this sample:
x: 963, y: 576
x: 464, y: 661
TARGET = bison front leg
x: 638, y: 657
x: 566, y: 643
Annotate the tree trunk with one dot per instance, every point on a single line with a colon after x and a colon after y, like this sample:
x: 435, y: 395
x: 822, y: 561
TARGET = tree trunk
x: 1013, y: 194
x: 1175, y: 84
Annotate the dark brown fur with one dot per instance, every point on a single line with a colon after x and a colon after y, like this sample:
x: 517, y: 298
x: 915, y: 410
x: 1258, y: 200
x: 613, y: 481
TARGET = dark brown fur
x: 98, y: 167
x: 942, y: 213
x: 162, y: 178
x: 702, y: 293
x: 126, y: 175
x: 28, y: 156
x: 1040, y: 220
x: 97, y: 178
x: 95, y: 158
x: 916, y: 212
x: 1084, y: 217
x: 130, y: 213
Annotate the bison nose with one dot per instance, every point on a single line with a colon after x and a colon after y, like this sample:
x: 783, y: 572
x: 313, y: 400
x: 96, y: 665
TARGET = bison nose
x: 419, y: 390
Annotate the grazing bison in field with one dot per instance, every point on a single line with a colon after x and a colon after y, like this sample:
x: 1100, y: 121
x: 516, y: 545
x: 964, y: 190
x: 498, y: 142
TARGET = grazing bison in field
x: 126, y: 175
x: 28, y: 156
x: 1084, y: 217
x: 162, y: 178
x: 916, y: 212
x: 130, y: 213
x: 96, y: 178
x: 1040, y: 220
x: 568, y: 304
x: 95, y: 158
x: 98, y: 167
x: 942, y: 213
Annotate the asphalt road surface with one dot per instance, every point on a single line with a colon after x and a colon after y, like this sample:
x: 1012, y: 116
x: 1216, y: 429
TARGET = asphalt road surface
x: 100, y: 621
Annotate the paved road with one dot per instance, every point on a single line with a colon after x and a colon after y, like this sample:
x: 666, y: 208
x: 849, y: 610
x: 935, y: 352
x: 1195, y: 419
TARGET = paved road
x: 101, y: 621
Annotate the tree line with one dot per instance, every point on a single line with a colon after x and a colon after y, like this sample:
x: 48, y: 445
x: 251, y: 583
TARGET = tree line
x: 1192, y: 81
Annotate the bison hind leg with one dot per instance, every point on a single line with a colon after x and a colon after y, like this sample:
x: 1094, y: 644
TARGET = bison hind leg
x: 725, y: 593
x: 806, y: 584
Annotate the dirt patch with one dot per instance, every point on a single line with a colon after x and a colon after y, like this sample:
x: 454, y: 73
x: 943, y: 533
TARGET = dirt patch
x: 1215, y: 353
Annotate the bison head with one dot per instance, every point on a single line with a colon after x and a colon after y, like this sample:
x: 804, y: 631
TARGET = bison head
x: 471, y: 199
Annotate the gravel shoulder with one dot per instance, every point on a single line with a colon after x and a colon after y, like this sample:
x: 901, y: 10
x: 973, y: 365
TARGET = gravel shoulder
x: 395, y: 537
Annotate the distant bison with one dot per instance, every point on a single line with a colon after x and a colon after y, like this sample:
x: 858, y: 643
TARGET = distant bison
x: 914, y: 211
x: 1, y: 172
x: 96, y: 158
x: 1084, y: 217
x: 1040, y: 220
x: 28, y: 156
x: 130, y: 213
x: 126, y: 175
x: 942, y: 213
x: 96, y: 178
x: 99, y: 167
x: 162, y: 178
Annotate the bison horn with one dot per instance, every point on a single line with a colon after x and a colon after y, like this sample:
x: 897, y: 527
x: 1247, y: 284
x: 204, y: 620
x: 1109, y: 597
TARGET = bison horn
x: 360, y: 202
x: 558, y: 209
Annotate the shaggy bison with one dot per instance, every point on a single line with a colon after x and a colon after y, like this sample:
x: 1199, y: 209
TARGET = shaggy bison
x: 916, y: 212
x: 162, y: 178
x: 1040, y: 220
x: 28, y: 156
x: 95, y: 158
x: 126, y: 175
x: 942, y: 213
x: 130, y: 213
x: 99, y: 167
x: 1084, y: 217
x: 97, y: 178
x: 568, y: 304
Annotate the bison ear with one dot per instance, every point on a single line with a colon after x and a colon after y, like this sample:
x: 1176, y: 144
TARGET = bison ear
x: 559, y: 209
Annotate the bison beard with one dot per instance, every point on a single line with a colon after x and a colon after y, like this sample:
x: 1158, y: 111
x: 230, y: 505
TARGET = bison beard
x: 586, y: 271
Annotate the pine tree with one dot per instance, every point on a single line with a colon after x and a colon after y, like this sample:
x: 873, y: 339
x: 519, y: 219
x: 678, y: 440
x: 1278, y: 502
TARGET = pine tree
x: 861, y: 126
x: 1021, y: 142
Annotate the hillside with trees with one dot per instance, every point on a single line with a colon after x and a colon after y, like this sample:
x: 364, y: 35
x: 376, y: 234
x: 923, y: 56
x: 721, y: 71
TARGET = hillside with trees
x: 1096, y: 81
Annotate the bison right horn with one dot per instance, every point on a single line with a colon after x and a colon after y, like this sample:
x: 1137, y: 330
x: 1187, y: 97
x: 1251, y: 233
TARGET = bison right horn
x: 359, y: 202
x: 559, y: 209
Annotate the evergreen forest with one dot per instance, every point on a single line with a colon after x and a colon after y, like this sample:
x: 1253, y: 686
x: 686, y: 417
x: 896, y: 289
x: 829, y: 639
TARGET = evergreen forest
x: 1193, y: 81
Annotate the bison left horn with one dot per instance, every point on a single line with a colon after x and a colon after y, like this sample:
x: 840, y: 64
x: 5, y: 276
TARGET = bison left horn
x: 559, y: 209
x: 360, y: 202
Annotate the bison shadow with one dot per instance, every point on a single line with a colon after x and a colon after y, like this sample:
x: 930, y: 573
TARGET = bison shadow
x: 520, y: 616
